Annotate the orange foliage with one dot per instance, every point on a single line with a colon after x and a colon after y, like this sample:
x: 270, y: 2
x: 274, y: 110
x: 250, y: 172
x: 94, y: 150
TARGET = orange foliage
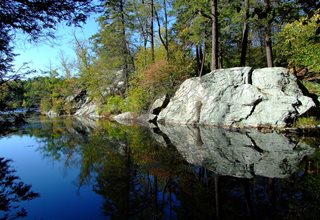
x: 156, y: 74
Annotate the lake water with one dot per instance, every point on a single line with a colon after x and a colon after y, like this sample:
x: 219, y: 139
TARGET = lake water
x: 81, y: 169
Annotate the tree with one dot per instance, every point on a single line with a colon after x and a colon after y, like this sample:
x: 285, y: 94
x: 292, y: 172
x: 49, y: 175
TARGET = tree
x: 193, y: 21
x: 215, y: 35
x: 152, y: 29
x: 142, y: 24
x: 165, y: 40
x: 112, y: 43
x: 299, y: 43
x: 268, y: 33
x: 245, y: 32
x: 37, y: 19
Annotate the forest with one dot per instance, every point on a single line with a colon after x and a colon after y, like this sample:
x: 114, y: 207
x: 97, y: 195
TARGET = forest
x: 154, y: 45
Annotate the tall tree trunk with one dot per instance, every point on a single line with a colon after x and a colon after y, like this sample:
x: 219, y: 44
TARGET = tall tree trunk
x: 214, y: 15
x: 268, y: 35
x: 202, y: 57
x: 269, y: 46
x: 220, y: 59
x: 245, y: 31
x: 124, y: 45
x: 198, y: 58
x: 145, y: 37
x: 143, y: 24
x: 152, y: 31
x: 166, y: 28
x: 163, y: 41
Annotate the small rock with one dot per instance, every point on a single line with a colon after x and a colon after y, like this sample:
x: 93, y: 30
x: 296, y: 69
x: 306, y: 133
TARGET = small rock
x: 127, y: 116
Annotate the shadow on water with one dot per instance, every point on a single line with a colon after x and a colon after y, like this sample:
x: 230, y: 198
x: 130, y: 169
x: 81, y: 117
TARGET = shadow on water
x: 12, y: 192
x: 186, y: 173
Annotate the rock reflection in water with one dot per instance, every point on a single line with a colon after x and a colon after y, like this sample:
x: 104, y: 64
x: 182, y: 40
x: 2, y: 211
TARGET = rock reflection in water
x: 184, y: 173
x: 239, y: 154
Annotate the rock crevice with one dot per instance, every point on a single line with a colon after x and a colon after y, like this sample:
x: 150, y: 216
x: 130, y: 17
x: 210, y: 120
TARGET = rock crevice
x: 238, y: 97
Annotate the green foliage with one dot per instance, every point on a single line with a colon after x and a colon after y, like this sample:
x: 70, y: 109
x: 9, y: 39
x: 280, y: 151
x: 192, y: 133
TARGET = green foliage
x: 36, y: 19
x: 137, y: 100
x: 299, y: 44
x: 35, y: 90
x: 114, y: 105
x: 11, y: 95
x: 57, y: 106
x: 121, y: 49
x: 312, y: 87
x: 45, y: 104
x: 156, y: 79
x: 310, y: 121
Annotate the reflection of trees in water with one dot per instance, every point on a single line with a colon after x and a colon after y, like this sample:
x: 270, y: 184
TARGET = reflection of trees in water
x: 12, y: 192
x: 141, y: 180
x: 10, y: 123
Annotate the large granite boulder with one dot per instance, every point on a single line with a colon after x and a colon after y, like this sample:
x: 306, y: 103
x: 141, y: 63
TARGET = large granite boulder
x: 242, y: 154
x: 238, y: 97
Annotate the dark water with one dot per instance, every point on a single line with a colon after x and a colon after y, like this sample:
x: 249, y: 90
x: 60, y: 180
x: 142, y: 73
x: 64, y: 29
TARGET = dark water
x: 67, y: 169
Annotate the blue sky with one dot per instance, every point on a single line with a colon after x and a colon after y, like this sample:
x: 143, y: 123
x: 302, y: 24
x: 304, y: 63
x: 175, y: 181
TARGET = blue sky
x: 41, y: 55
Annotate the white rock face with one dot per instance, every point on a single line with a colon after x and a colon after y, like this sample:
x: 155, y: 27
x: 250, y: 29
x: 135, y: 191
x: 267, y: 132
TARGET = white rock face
x: 238, y: 97
x: 87, y: 109
x: 125, y: 117
x: 243, y: 155
x: 52, y: 114
x: 82, y: 105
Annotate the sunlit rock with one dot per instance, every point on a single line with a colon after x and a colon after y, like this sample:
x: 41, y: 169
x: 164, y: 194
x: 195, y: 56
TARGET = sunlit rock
x: 238, y: 97
x: 125, y: 117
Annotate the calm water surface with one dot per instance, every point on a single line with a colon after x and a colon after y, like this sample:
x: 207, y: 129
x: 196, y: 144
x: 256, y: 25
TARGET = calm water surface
x: 72, y: 169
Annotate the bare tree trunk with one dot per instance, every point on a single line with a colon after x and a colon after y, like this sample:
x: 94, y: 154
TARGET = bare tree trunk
x: 268, y: 35
x: 220, y: 59
x: 163, y: 41
x: 203, y: 58
x: 143, y: 23
x: 214, y: 12
x: 166, y: 28
x: 152, y: 31
x: 124, y: 46
x: 269, y: 47
x: 198, y: 58
x: 245, y: 31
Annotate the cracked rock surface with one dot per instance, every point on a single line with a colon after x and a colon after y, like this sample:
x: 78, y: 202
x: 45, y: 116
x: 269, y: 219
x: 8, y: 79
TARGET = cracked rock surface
x: 238, y: 97
x: 240, y: 154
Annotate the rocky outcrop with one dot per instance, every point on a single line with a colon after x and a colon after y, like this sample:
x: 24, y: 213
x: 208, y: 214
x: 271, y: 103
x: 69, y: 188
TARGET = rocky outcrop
x: 240, y: 154
x: 86, y: 107
x: 125, y: 118
x: 52, y: 114
x: 238, y: 97
x: 81, y: 105
x: 147, y: 119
